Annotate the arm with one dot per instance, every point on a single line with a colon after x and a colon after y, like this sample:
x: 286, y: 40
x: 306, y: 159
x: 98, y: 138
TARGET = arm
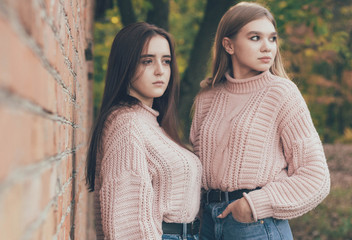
x: 126, y: 195
x: 308, y: 182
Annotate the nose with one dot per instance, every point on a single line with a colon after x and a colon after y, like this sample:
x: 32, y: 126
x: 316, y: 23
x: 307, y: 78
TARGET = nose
x: 266, y: 46
x: 159, y: 69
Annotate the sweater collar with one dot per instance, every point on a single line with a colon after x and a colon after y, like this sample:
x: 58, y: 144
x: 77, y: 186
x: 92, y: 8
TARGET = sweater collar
x: 248, y: 85
x: 147, y: 113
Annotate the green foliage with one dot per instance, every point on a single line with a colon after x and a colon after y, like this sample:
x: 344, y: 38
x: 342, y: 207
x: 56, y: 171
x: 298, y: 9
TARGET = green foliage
x: 104, y: 33
x: 316, y: 43
x: 346, y: 137
x: 185, y: 18
x: 316, y: 38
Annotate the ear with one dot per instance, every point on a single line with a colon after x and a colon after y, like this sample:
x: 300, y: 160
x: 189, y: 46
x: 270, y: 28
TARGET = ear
x: 228, y: 45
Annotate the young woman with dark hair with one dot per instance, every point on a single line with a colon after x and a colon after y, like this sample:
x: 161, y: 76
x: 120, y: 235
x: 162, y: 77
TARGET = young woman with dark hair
x: 263, y: 161
x: 147, y: 185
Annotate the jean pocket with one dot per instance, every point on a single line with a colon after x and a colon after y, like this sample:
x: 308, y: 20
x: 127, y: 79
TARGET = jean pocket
x: 234, y: 229
x: 283, y: 228
x: 244, y: 224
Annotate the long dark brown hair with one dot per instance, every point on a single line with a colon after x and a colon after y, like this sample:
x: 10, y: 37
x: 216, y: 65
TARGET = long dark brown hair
x: 124, y: 57
x: 230, y: 24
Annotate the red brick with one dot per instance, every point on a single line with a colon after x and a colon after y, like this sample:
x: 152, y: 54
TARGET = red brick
x: 48, y: 228
x: 51, y: 45
x: 55, y: 13
x: 37, y: 77
x: 29, y: 138
x: 22, y: 69
x: 11, y: 213
x: 32, y: 131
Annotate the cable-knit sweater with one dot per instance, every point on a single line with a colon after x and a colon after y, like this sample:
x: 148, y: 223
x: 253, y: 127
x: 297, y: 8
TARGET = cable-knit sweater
x: 143, y: 178
x: 258, y: 132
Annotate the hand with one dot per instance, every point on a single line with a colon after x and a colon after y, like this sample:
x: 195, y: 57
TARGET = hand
x: 241, y: 211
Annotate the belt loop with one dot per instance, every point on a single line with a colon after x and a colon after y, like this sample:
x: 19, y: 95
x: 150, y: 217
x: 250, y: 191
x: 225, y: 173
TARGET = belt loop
x: 227, y: 196
x: 208, y: 191
x: 184, y: 232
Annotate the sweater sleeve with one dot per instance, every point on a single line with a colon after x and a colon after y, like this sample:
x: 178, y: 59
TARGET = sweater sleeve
x: 308, y: 181
x: 126, y: 195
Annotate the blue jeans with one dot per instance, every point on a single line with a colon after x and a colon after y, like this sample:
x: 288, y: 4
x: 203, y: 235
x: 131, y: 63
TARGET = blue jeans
x: 213, y: 228
x: 179, y: 237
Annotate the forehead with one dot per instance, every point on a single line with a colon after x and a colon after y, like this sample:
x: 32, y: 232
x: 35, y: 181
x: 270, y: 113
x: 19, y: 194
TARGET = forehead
x: 157, y: 44
x: 263, y: 25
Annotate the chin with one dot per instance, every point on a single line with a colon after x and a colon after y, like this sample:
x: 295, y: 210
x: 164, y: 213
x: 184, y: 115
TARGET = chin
x: 263, y: 69
x: 158, y: 95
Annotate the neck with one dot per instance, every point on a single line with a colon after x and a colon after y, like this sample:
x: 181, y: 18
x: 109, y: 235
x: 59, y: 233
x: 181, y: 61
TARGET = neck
x: 247, y: 85
x: 240, y: 74
x: 149, y: 103
x: 146, y: 101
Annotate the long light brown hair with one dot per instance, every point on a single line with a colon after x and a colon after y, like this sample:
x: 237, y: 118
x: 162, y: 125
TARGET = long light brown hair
x: 230, y: 24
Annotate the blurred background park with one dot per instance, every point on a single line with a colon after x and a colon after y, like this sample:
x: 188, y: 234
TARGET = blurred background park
x: 316, y: 42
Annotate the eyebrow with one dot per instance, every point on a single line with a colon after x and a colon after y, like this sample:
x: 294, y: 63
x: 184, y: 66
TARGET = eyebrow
x: 260, y: 33
x: 152, y: 55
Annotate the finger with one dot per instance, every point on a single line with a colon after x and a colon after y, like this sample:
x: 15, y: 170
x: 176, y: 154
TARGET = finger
x: 224, y: 213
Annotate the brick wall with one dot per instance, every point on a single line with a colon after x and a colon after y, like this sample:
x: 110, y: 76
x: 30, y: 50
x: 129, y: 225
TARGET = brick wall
x: 45, y: 118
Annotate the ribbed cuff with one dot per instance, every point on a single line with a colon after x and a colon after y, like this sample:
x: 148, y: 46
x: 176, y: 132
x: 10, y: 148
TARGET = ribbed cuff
x: 260, y: 204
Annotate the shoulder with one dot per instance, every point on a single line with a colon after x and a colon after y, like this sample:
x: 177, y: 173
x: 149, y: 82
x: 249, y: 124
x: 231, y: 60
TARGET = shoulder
x: 207, y: 94
x: 283, y: 88
x: 284, y: 85
x: 120, y: 120
x: 203, y: 101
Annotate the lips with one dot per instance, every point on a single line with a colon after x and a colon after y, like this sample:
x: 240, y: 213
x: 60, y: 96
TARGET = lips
x: 265, y: 59
x: 158, y: 83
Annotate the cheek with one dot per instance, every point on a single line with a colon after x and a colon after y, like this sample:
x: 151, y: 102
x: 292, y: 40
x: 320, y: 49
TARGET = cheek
x: 138, y: 74
x: 167, y: 73
x: 275, y: 47
x: 275, y: 52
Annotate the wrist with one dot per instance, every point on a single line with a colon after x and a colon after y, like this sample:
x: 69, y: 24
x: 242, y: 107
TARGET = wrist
x: 247, y: 208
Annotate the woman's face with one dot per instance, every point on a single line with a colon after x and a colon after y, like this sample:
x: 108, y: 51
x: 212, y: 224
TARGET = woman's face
x: 253, y: 49
x: 153, y: 71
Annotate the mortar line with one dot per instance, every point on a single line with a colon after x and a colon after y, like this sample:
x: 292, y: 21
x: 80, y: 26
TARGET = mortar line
x: 35, y: 169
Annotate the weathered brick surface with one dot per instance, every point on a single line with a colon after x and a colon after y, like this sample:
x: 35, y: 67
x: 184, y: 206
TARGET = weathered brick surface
x: 45, y: 118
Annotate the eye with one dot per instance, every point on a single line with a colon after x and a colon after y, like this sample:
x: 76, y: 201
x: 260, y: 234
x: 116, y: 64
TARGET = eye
x: 255, y: 38
x: 273, y: 39
x: 167, y: 61
x: 146, y: 61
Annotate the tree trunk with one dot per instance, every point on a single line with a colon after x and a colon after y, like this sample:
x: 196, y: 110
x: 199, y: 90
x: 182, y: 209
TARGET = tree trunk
x: 127, y: 13
x: 100, y: 8
x: 199, y: 58
x: 159, y: 14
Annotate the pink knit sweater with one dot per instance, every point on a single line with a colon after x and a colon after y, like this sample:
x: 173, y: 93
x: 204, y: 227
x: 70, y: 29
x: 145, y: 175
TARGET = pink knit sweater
x: 258, y: 132
x: 143, y: 178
